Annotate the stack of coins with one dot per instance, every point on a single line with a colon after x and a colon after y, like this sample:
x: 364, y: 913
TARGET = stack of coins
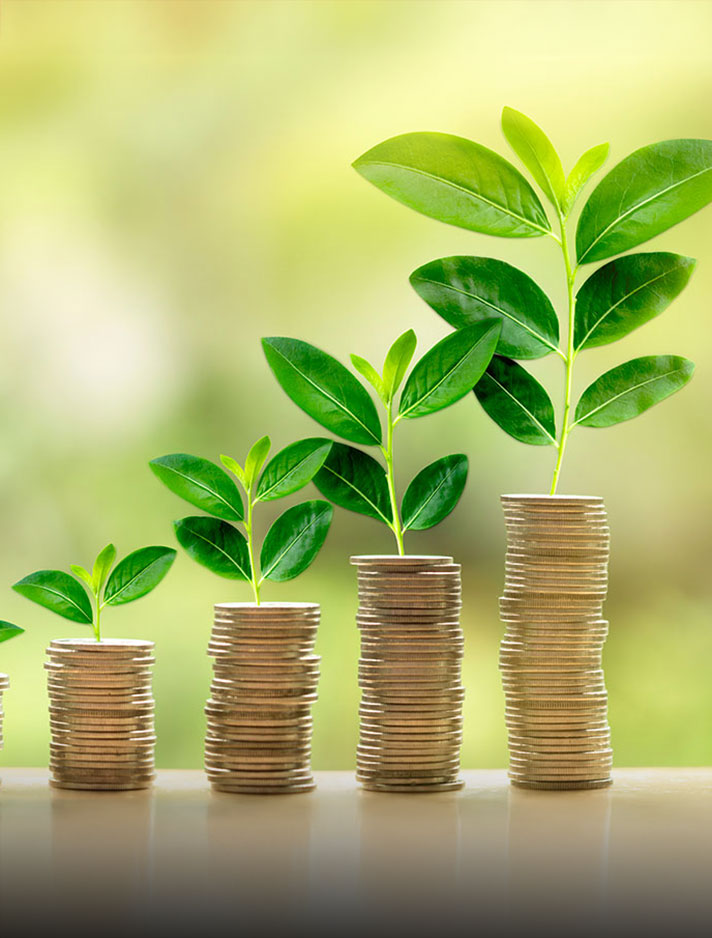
x: 550, y: 656
x: 4, y: 684
x: 101, y: 714
x: 409, y: 673
x: 265, y: 677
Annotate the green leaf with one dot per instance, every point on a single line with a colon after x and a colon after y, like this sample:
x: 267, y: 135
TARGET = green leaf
x: 8, y: 631
x: 324, y: 389
x: 292, y: 468
x: 465, y: 289
x: 201, y: 483
x: 434, y: 492
x: 294, y: 540
x: 630, y: 389
x: 216, y: 545
x: 354, y: 480
x: 79, y: 571
x: 399, y: 356
x: 648, y: 192
x: 366, y: 369
x: 517, y: 402
x: 450, y: 369
x: 256, y: 459
x: 456, y: 181
x: 587, y: 164
x: 234, y: 466
x: 536, y: 151
x: 103, y: 563
x: 626, y: 293
x: 59, y: 592
x: 137, y: 574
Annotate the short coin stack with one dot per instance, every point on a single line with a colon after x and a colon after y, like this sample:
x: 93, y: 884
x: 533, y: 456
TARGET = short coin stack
x: 4, y: 684
x: 101, y: 714
x: 265, y: 677
x: 550, y: 656
x: 409, y: 673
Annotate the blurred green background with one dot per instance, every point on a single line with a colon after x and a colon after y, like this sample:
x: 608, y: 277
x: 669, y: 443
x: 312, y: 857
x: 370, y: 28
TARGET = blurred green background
x: 175, y: 182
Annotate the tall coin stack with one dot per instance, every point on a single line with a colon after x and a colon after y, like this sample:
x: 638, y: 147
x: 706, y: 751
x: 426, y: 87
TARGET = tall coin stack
x: 4, y: 684
x: 265, y: 677
x: 550, y: 656
x: 101, y: 714
x: 409, y: 673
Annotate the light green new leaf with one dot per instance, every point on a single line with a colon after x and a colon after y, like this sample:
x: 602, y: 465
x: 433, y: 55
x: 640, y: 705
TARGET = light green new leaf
x: 434, y: 492
x: 292, y: 468
x: 103, y: 563
x: 517, y: 402
x: 137, y: 574
x: 79, y: 571
x: 354, y: 480
x: 399, y: 356
x: 464, y: 289
x: 626, y: 293
x: 450, y: 369
x: 294, y: 540
x: 586, y: 165
x: 201, y: 483
x: 256, y: 459
x: 648, y: 192
x: 630, y: 389
x: 536, y: 151
x: 59, y: 592
x: 216, y: 545
x: 456, y: 181
x: 366, y: 369
x: 8, y: 631
x: 233, y: 466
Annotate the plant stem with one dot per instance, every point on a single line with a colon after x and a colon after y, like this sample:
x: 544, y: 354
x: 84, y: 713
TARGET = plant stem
x: 97, y: 624
x: 570, y: 354
x: 396, y: 526
x: 250, y: 546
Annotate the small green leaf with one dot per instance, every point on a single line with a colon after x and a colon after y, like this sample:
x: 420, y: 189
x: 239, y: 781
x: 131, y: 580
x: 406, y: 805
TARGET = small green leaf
x: 59, y: 592
x: 8, y: 631
x: 517, y: 402
x: 587, y: 164
x: 626, y: 293
x: 294, y: 540
x: 434, y: 492
x: 450, y: 369
x: 216, y: 545
x: 456, y: 181
x: 648, y: 192
x: 354, y: 480
x: 630, y: 389
x: 200, y: 482
x: 82, y: 573
x: 464, y: 290
x: 137, y: 574
x: 103, y: 563
x: 234, y: 466
x: 536, y: 151
x: 399, y: 356
x: 292, y: 468
x: 256, y: 459
x: 324, y: 389
x: 366, y: 369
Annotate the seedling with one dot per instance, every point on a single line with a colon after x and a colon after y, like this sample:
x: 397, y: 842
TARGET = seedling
x: 292, y: 542
x: 133, y: 577
x: 462, y: 183
x: 328, y: 392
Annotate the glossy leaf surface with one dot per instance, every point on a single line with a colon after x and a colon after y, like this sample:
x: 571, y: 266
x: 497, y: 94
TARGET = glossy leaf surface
x: 216, y: 545
x: 102, y: 565
x: 8, y: 631
x: 201, y: 483
x: 366, y: 369
x: 82, y: 574
x: 255, y: 459
x: 137, y: 574
x: 292, y: 468
x: 434, y: 492
x: 586, y: 165
x: 354, y: 480
x: 294, y: 540
x: 398, y: 358
x: 536, y: 151
x: 517, y: 403
x: 58, y: 591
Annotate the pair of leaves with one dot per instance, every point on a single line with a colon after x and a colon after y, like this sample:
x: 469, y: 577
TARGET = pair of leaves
x: 291, y: 544
x: 356, y: 481
x: 8, y: 631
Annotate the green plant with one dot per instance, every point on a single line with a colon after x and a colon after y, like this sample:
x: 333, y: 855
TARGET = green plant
x: 133, y: 577
x: 291, y: 543
x: 8, y: 631
x: 460, y: 182
x: 329, y: 393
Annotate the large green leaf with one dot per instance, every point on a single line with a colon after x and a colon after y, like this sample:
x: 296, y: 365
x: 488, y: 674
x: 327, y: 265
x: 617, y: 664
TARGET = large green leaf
x: 59, y: 592
x: 626, y: 293
x: 137, y: 574
x: 456, y: 181
x: 216, y: 545
x: 201, y: 483
x: 102, y: 565
x: 450, y: 369
x: 630, y: 389
x: 324, y: 388
x: 434, y: 492
x: 8, y: 631
x: 646, y: 193
x: 354, y: 480
x: 517, y: 402
x: 292, y: 468
x: 536, y: 151
x: 465, y: 289
x: 294, y: 540
x: 586, y: 165
x: 399, y: 356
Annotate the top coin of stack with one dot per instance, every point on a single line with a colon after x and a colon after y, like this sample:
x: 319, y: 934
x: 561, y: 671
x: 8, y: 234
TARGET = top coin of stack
x: 4, y: 684
x: 265, y: 678
x: 101, y: 714
x: 409, y: 673
x: 550, y: 656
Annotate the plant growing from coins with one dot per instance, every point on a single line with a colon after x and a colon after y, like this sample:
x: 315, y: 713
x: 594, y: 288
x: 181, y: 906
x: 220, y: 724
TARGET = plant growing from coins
x: 462, y: 183
x: 82, y: 597
x: 327, y: 391
x: 293, y: 540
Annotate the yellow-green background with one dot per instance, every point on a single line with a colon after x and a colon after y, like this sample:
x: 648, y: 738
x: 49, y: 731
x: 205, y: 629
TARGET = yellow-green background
x: 175, y: 182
